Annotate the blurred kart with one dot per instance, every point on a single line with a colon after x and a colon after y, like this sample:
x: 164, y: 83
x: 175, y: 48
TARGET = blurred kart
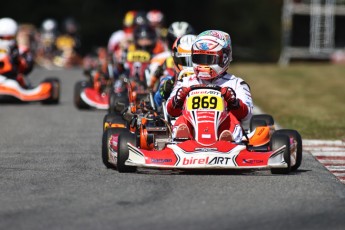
x: 132, y: 79
x: 152, y: 145
x: 128, y: 100
x: 47, y: 92
x: 133, y: 118
x: 94, y: 92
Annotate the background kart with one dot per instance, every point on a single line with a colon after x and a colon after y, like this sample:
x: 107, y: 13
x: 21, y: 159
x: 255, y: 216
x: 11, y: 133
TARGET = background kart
x: 133, y: 82
x: 94, y: 92
x: 86, y: 96
x: 138, y: 117
x: 47, y: 92
x: 262, y: 148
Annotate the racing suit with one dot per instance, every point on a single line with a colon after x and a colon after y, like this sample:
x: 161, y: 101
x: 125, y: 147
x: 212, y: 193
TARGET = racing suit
x: 241, y: 112
x: 22, y: 63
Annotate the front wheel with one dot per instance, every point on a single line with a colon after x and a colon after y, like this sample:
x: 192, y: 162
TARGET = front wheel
x: 54, y: 92
x: 123, y: 152
x: 299, y: 149
x: 110, y: 135
x: 78, y: 101
x: 277, y: 141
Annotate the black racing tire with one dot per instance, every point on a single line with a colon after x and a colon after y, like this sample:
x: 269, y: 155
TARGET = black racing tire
x: 265, y: 117
x: 112, y: 99
x: 113, y: 118
x: 78, y: 101
x: 115, y: 98
x: 123, y: 152
x: 54, y: 93
x: 257, y: 123
x: 277, y: 141
x: 297, y: 137
x: 105, y: 144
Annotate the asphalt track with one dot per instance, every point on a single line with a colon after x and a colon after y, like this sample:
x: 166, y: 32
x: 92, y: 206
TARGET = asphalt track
x: 52, y: 177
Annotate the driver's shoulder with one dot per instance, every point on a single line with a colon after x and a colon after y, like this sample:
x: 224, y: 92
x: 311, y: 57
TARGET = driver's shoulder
x: 231, y: 79
x: 189, y: 80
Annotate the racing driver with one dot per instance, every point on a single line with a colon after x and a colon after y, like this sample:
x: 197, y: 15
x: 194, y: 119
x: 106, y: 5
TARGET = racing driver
x: 211, y: 57
x: 20, y: 57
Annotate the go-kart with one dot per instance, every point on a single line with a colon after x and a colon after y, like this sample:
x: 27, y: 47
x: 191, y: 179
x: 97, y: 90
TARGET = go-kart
x: 136, y: 99
x: 94, y: 92
x: 47, y: 92
x: 127, y: 107
x: 135, y: 118
x: 134, y: 79
x: 262, y: 148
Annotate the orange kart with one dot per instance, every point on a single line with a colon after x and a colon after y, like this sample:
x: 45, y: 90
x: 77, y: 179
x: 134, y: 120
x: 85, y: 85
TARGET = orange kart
x: 47, y: 92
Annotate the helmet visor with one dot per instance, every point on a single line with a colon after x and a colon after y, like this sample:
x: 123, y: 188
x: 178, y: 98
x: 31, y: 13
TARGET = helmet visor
x: 8, y: 37
x: 183, y: 61
x: 205, y: 59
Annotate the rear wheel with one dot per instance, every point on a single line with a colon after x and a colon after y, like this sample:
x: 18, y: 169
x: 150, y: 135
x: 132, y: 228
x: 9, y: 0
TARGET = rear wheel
x: 277, y: 141
x: 258, y: 120
x: 54, y: 92
x: 299, y: 149
x: 78, y: 101
x: 106, y: 138
x: 257, y: 123
x: 112, y: 118
x: 123, y: 152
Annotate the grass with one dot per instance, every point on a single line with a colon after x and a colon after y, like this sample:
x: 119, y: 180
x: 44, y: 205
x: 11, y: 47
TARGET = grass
x: 308, y: 97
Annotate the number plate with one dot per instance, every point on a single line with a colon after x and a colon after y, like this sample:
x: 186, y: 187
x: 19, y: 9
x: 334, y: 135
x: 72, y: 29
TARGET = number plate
x: 205, y: 99
x: 138, y: 56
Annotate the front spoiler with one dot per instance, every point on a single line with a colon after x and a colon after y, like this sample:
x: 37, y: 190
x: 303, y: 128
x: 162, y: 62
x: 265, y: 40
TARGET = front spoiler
x: 11, y: 88
x: 232, y: 157
x: 94, y: 100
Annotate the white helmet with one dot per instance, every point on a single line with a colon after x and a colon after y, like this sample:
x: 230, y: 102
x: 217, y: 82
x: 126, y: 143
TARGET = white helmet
x: 211, y: 54
x: 49, y: 25
x: 177, y: 29
x: 182, y: 51
x: 8, y: 32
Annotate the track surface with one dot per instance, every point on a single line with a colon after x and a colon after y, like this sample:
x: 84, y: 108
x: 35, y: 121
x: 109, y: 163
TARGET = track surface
x: 51, y: 177
x: 329, y: 153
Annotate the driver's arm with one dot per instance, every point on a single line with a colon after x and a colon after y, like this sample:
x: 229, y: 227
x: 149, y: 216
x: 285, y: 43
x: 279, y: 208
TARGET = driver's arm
x: 174, y: 112
x: 244, y: 109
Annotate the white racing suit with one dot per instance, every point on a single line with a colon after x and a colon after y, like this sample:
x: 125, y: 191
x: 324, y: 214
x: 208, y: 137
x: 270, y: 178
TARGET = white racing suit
x: 241, y: 88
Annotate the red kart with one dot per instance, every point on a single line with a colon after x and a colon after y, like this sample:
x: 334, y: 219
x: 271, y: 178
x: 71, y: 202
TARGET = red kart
x: 262, y: 148
x: 94, y: 92
x: 100, y: 91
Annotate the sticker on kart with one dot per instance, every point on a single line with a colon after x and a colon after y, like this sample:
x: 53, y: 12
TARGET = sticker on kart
x: 205, y: 101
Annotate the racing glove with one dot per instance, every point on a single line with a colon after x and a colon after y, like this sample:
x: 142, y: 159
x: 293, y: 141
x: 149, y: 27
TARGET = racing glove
x: 159, y: 72
x: 229, y: 96
x: 14, y: 56
x: 180, y: 96
x: 166, y: 88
